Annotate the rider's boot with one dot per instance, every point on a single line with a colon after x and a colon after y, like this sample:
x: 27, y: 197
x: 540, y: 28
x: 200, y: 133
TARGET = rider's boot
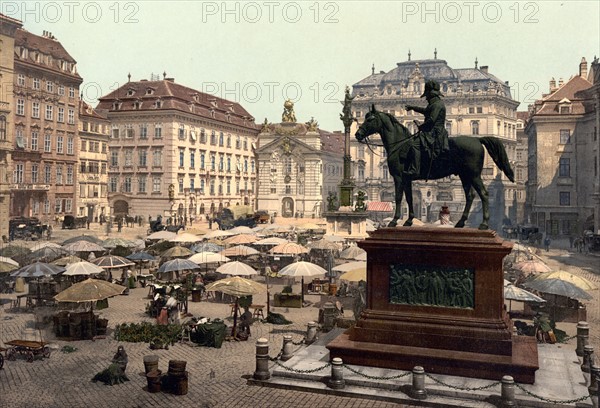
x: 415, y: 162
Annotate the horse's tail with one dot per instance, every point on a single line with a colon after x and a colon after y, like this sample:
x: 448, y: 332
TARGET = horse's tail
x: 496, y: 150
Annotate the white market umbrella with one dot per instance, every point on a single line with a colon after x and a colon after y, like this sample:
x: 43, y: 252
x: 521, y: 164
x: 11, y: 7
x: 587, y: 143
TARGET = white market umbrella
x: 349, y: 266
x: 82, y: 268
x: 166, y: 235
x: 217, y: 234
x: 302, y: 269
x: 186, y: 237
x: 9, y: 260
x: 208, y: 257
x: 237, y: 268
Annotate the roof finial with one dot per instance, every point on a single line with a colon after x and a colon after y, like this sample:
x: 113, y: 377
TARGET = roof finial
x: 373, y: 70
x: 129, y: 77
x: 476, y: 62
x: 409, y: 54
x: 164, y: 74
x: 435, y: 53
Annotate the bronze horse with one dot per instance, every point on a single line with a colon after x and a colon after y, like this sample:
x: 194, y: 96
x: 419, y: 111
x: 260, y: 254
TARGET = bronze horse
x: 465, y: 159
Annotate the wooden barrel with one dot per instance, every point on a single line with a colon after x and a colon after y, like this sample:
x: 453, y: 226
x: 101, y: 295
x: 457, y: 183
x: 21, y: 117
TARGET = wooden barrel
x: 177, y: 368
x: 179, y: 385
x: 150, y: 363
x: 154, y: 379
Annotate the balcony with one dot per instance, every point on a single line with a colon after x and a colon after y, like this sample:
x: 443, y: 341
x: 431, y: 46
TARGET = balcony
x: 30, y: 187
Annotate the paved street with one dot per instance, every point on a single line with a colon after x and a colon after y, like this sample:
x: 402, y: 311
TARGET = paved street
x: 217, y: 376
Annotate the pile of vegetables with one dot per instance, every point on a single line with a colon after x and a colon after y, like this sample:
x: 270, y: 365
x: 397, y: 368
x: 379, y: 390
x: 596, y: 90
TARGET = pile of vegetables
x: 111, y: 376
x: 158, y: 335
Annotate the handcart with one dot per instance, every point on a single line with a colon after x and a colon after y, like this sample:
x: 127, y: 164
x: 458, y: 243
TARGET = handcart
x: 28, y: 348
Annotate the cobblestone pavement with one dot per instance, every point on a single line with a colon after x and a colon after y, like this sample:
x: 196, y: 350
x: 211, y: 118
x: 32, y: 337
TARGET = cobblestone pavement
x: 217, y: 377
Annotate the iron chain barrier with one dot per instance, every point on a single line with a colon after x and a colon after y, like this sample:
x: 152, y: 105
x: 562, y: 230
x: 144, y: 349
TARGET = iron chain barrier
x: 551, y: 401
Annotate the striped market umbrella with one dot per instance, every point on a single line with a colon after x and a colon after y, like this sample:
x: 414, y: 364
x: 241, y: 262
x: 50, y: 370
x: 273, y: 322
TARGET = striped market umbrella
x: 112, y: 261
x: 37, y: 270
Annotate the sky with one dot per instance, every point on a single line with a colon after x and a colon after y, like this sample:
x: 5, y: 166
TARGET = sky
x: 260, y: 53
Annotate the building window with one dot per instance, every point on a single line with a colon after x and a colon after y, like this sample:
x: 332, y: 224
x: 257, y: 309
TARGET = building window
x: 221, y: 163
x: 2, y: 127
x: 143, y: 131
x: 36, y: 83
x: 202, y: 160
x: 180, y: 185
x: 564, y: 167
x: 201, y: 190
x: 192, y: 185
x: 47, y: 143
x: 127, y: 185
x: 228, y: 187
x: 129, y: 133
x: 158, y: 131
x: 61, y: 90
x: 157, y: 158
x: 68, y: 205
x: 34, y: 173
x: 60, y: 144
x: 479, y: 109
x: 156, y: 185
x: 213, y: 137
x: 35, y: 109
x: 142, y: 184
x: 212, y: 162
x: 71, y: 92
x: 114, y: 158
x: 449, y: 127
x: 47, y: 174
x: 71, y: 117
x: 59, y: 174
x: 228, y: 140
x: 565, y: 136
x: 70, y: 144
x: 142, y: 157
x: 192, y: 159
x: 18, y: 173
x: 21, y: 80
x: 49, y: 86
x: 202, y: 136
x: 212, y: 187
x: 181, y: 157
x: 128, y: 158
x: 361, y: 173
x: 565, y: 197
x: 61, y: 115
x: 57, y: 205
x: 221, y: 139
x: 475, y: 127
x: 112, y: 184
x: 83, y: 147
x: 20, y: 107
x: 471, y: 109
x: 181, y: 131
x: 70, y: 174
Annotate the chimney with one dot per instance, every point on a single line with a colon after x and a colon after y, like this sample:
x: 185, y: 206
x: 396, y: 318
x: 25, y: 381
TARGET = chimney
x: 560, y: 82
x: 552, y: 85
x: 484, y: 69
x: 583, y: 68
x: 170, y: 79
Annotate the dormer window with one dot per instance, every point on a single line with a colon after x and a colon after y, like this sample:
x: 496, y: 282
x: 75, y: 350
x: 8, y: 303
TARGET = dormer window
x: 116, y: 105
x: 564, y: 106
x: 130, y: 92
x: 137, y: 105
x: 158, y: 104
x: 24, y: 52
x: 149, y: 91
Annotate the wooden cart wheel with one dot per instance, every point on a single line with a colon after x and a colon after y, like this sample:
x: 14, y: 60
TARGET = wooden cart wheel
x: 30, y: 356
x: 1, y: 361
x: 46, y: 352
x: 11, y: 354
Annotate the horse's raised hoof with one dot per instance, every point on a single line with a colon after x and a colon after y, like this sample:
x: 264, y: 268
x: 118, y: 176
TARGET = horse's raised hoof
x: 392, y: 224
x: 408, y: 223
x: 460, y: 223
x: 483, y: 226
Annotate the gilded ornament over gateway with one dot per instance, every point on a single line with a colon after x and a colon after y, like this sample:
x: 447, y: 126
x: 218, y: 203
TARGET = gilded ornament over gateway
x: 288, y: 115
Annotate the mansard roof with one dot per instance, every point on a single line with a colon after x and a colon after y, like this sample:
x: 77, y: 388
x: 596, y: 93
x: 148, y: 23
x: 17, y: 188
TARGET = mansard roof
x: 44, y: 45
x: 436, y: 69
x: 143, y: 96
x: 564, y: 94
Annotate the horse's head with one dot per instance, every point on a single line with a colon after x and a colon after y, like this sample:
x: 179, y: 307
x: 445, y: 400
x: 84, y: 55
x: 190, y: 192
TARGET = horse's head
x: 371, y: 125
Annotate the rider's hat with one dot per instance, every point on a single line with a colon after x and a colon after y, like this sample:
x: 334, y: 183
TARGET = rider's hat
x: 432, y: 88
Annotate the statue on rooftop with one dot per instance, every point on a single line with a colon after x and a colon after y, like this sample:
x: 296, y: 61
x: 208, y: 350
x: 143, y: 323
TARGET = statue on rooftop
x: 288, y: 115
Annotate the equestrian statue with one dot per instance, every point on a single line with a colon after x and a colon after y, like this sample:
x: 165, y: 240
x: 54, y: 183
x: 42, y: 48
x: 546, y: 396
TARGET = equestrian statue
x: 430, y: 154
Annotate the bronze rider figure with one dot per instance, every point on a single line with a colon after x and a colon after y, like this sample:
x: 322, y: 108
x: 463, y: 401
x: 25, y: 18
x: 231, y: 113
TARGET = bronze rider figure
x: 432, y: 139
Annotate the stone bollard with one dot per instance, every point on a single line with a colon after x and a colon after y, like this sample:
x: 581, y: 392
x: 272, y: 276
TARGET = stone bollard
x: 583, y: 337
x: 508, y: 391
x: 337, y: 376
x: 418, y: 390
x: 593, y: 387
x: 311, y: 332
x: 262, y: 360
x: 287, y: 348
x: 587, y: 357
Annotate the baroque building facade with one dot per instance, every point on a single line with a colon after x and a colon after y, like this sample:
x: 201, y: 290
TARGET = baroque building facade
x: 298, y: 166
x: 8, y: 28
x: 45, y: 155
x: 92, y: 183
x: 175, y: 151
x: 477, y: 104
x: 563, y: 186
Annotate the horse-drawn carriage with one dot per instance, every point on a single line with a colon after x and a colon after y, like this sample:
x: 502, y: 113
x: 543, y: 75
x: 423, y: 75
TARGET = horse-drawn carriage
x: 237, y: 216
x: 72, y: 222
x: 27, y: 229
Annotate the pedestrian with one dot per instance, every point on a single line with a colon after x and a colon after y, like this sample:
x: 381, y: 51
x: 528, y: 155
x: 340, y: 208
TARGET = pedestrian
x: 547, y: 243
x: 209, y: 222
x: 119, y: 225
x: 87, y: 221
x: 49, y: 232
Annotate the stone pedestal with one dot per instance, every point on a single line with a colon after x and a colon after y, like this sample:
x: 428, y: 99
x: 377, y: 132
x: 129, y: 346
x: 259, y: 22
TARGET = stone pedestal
x: 435, y: 299
x: 350, y: 224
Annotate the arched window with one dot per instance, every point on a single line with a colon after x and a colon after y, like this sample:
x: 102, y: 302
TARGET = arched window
x: 2, y: 127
